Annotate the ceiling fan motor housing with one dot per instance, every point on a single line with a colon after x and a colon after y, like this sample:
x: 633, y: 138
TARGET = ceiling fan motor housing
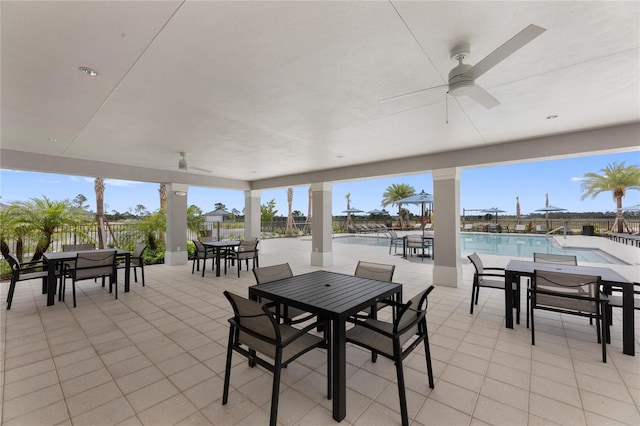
x: 459, y: 82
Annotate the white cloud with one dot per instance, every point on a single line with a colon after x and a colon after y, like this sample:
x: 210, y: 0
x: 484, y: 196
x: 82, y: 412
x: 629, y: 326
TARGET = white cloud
x: 577, y: 179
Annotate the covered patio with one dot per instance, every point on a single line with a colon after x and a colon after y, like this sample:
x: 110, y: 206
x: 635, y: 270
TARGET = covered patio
x: 156, y: 356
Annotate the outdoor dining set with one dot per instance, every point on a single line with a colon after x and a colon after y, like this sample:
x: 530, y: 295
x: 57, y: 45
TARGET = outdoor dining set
x: 285, y: 316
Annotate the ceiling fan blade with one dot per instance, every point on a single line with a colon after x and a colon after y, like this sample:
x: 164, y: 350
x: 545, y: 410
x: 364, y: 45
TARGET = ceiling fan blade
x: 483, y: 97
x: 200, y: 169
x: 392, y: 98
x: 501, y: 53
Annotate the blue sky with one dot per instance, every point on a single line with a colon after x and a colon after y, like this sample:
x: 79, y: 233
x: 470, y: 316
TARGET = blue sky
x: 479, y: 188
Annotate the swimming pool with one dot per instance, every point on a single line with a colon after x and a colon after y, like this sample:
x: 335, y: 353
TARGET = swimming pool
x: 503, y: 245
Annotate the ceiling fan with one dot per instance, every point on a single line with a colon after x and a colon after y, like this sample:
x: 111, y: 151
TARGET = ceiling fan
x: 183, y: 164
x: 462, y: 78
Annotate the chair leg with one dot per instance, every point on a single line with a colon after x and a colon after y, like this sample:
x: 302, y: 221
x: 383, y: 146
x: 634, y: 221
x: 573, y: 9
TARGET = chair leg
x: 12, y: 288
x: 427, y: 355
x: 605, y: 332
x: 401, y: 390
x: 533, y: 328
x: 142, y: 273
x: 473, y: 290
x: 227, y: 369
x: 275, y: 393
x: 135, y: 274
x: 74, y: 292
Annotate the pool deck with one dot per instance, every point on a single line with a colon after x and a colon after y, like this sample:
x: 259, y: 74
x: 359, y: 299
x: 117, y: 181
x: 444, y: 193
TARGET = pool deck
x: 156, y: 355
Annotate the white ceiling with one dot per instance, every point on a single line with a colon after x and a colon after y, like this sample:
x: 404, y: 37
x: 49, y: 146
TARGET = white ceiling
x: 263, y: 90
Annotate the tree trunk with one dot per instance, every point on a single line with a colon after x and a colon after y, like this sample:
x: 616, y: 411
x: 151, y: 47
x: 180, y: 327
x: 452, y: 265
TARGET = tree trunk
x: 308, y: 224
x: 99, y: 188
x: 289, y: 229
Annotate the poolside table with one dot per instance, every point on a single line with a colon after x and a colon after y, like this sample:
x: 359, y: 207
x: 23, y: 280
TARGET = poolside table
x: 55, y: 259
x: 610, y: 278
x: 335, y: 297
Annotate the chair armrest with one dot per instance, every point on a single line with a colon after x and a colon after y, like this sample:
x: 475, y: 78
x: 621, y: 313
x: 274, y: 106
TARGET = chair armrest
x: 492, y: 275
x: 304, y: 331
x: 494, y: 269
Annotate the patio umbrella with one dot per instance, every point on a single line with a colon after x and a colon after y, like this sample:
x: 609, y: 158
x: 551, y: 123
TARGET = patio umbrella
x: 494, y: 210
x: 549, y: 208
x: 350, y: 211
x: 422, y: 199
x: 631, y: 208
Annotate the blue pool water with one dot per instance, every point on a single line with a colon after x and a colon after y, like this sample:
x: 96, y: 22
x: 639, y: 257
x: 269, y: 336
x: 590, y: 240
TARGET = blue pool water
x: 503, y: 245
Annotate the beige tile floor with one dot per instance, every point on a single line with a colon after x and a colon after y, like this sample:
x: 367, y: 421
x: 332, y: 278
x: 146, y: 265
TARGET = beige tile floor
x: 156, y: 356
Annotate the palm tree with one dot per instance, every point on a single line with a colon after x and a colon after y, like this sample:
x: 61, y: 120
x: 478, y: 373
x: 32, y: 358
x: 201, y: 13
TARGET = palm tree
x: 347, y: 197
x: 615, y: 178
x: 289, y: 229
x: 42, y: 217
x: 397, y: 192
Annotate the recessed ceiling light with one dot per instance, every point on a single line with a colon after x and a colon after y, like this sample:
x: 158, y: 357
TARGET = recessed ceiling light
x: 53, y: 140
x: 340, y: 156
x: 551, y: 117
x: 88, y: 71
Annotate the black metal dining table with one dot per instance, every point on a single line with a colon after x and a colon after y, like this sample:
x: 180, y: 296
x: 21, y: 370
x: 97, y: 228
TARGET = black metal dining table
x: 218, y: 247
x: 609, y: 278
x: 53, y: 260
x: 334, y: 297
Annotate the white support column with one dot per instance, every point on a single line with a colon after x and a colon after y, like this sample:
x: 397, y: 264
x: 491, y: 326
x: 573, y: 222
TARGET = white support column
x: 322, y: 231
x: 447, y: 270
x: 176, y: 250
x: 252, y: 213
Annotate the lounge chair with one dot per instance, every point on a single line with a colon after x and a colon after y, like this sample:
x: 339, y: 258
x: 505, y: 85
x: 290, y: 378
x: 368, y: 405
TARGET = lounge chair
x: 468, y: 227
x: 541, y: 229
x: 520, y: 228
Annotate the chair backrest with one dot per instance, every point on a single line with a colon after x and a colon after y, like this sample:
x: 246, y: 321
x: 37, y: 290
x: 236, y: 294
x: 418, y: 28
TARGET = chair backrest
x: 374, y: 271
x: 208, y: 239
x: 411, y: 313
x: 477, y: 263
x: 137, y: 252
x: 393, y: 234
x: 249, y: 244
x: 562, y: 259
x: 428, y: 226
x: 541, y: 228
x: 258, y: 328
x: 414, y: 241
x: 200, y: 248
x: 267, y: 274
x: 94, y: 264
x: 520, y: 227
x: 570, y: 292
x: 13, y: 261
x: 78, y: 247
x: 468, y: 226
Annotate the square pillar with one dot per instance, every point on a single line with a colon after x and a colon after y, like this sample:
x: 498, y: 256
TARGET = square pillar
x: 447, y: 269
x: 176, y: 244
x: 322, y: 232
x: 252, y: 214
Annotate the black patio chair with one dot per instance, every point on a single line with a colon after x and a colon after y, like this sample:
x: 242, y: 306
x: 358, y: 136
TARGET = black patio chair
x: 491, y: 277
x: 22, y: 272
x: 288, y: 314
x: 397, y: 340
x: 255, y: 333
x: 572, y: 294
x: 88, y: 265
